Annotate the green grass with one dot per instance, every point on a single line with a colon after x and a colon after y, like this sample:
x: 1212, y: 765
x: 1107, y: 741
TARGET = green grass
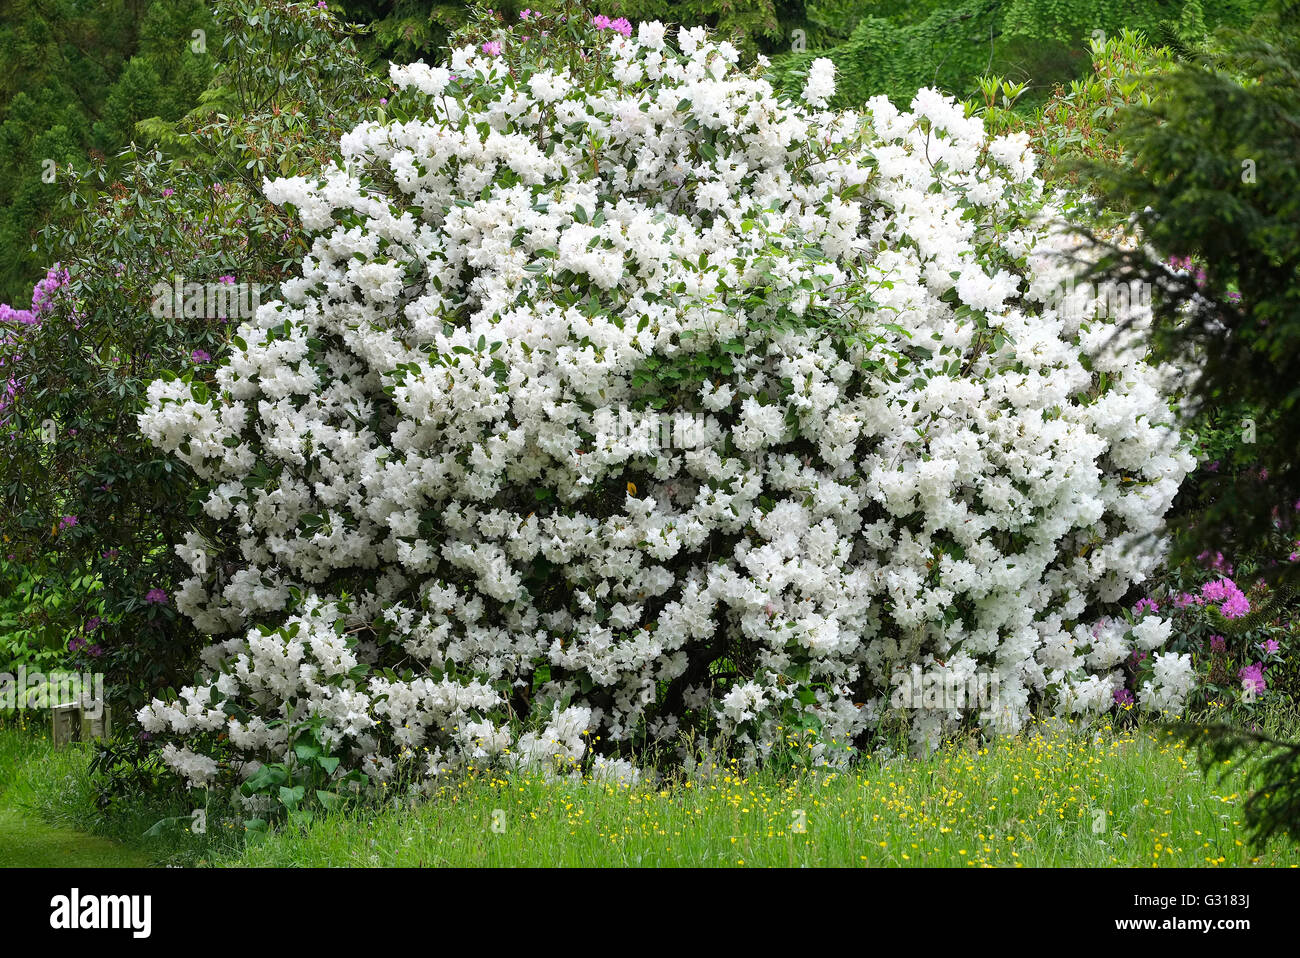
x: 32, y: 774
x: 1056, y: 796
x: 1047, y: 799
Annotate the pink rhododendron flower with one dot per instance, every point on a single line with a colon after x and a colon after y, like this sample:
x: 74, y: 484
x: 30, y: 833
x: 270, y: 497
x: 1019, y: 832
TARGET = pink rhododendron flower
x: 1233, y: 603
x: 621, y: 25
x: 1235, y: 606
x: 1253, y: 676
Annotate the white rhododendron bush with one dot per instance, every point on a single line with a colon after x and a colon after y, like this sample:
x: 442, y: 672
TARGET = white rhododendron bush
x: 463, y: 522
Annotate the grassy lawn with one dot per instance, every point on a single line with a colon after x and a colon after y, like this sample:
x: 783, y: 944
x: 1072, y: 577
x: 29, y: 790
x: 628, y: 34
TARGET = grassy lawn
x: 1051, y: 798
x: 30, y: 772
x: 1056, y: 796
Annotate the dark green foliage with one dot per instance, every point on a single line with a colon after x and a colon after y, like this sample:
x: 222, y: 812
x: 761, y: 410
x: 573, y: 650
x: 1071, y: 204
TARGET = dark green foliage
x: 288, y: 83
x: 1213, y: 173
x: 898, y: 47
x: 1271, y: 768
x: 405, y: 30
x: 77, y: 78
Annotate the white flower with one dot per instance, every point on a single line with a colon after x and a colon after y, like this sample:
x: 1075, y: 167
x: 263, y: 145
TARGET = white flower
x: 1173, y: 679
x: 820, y: 86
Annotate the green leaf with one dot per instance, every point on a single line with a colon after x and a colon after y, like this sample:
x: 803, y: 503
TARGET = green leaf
x: 329, y: 763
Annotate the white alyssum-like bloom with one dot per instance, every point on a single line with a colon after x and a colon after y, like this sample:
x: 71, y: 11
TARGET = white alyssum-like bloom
x: 901, y: 449
x: 821, y: 82
x: 1174, y: 678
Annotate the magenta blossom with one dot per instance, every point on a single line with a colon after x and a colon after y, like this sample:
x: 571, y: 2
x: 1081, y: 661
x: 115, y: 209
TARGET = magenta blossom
x: 200, y: 356
x: 67, y: 522
x: 492, y: 48
x: 1235, y: 607
x: 1218, y: 643
x: 1144, y: 605
x: 1124, y: 697
x: 1218, y: 563
x: 621, y: 25
x: 1271, y: 646
x: 1252, y: 676
x: 156, y: 597
x: 1233, y: 603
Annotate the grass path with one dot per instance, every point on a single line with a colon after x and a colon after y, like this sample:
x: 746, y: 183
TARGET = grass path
x: 26, y: 841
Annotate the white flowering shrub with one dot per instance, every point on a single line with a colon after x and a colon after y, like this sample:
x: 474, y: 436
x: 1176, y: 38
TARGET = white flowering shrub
x: 906, y: 453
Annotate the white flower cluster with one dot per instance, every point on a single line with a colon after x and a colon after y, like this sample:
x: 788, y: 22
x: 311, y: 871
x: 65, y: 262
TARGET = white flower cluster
x: 905, y: 457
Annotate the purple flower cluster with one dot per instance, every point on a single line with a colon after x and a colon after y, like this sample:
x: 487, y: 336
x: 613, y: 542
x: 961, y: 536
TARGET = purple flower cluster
x: 77, y: 644
x: 1218, y: 563
x: 1233, y: 603
x: 42, y: 300
x: 1185, y: 264
x: 621, y: 25
x: 1253, y: 676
